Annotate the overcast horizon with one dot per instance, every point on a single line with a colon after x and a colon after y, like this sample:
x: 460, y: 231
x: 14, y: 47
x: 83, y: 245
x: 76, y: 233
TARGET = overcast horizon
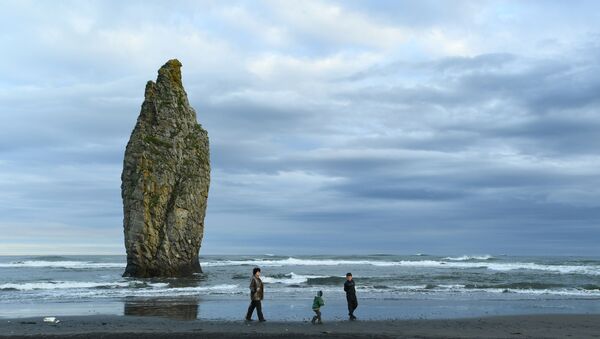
x: 336, y: 127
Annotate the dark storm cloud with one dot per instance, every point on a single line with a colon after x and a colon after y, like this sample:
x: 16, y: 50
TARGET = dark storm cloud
x: 539, y: 106
x: 398, y: 191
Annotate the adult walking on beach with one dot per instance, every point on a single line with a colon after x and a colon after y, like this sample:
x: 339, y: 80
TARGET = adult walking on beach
x: 256, y: 296
x: 350, y: 295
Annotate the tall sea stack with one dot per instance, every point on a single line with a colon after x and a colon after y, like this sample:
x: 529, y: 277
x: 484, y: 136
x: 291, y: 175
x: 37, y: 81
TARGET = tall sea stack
x: 165, y: 179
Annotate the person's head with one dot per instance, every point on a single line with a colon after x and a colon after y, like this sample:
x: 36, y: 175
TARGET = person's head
x: 348, y: 276
x: 320, y: 293
x: 256, y: 272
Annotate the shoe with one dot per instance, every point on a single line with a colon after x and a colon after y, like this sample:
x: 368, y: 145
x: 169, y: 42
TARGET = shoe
x: 313, y: 320
x: 262, y: 320
x: 247, y: 319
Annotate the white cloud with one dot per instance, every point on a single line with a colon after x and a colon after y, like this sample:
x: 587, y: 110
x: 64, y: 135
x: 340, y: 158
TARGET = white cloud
x: 335, y: 24
x: 440, y: 43
x: 287, y: 68
x: 255, y: 25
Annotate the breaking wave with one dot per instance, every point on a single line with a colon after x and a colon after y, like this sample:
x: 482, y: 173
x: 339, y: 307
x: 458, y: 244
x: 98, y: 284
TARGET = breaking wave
x: 469, y: 257
x: 459, y: 262
x: 296, y: 279
x: 288, y: 283
x: 517, y: 288
x: 78, y: 289
x: 290, y: 278
x: 465, y: 262
x: 56, y: 285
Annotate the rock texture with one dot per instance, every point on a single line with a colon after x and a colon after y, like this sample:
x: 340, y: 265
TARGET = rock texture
x: 165, y: 179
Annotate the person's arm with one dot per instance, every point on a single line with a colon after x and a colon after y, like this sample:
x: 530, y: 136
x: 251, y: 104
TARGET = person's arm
x: 345, y: 287
x: 253, y: 286
x: 321, y: 302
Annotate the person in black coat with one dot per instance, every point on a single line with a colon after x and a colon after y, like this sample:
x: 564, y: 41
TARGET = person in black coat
x: 350, y: 295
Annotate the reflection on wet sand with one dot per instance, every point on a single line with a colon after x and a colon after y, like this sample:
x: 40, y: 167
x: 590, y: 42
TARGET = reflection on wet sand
x: 175, y: 308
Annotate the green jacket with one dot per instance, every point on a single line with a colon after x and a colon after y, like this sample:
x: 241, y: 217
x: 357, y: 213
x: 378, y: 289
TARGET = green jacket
x: 317, y: 303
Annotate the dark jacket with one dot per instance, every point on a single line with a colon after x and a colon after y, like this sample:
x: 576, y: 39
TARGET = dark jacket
x: 256, y: 289
x: 350, y: 289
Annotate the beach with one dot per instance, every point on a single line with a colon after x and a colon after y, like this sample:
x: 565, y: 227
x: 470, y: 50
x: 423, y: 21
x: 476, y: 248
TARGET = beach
x: 530, y: 326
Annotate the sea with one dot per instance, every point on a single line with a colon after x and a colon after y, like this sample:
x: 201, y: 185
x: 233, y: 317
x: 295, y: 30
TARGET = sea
x: 418, y: 286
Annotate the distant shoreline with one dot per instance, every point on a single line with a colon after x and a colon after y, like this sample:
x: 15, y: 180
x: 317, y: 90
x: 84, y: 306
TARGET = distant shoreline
x: 536, y: 326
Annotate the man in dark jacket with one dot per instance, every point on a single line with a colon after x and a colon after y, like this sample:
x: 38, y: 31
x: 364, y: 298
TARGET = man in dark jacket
x: 350, y: 295
x: 256, y: 295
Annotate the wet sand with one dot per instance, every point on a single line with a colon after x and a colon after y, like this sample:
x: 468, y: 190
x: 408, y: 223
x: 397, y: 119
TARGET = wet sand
x: 529, y: 326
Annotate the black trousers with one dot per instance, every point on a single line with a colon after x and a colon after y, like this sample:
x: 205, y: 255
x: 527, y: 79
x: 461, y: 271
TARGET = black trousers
x: 352, y: 304
x: 255, y: 304
x: 317, y: 316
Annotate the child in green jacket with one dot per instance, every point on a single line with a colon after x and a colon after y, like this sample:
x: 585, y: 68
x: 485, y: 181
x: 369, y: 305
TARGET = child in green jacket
x: 317, y: 303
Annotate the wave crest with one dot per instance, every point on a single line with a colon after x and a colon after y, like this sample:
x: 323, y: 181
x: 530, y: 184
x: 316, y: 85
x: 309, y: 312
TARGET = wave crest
x: 470, y: 257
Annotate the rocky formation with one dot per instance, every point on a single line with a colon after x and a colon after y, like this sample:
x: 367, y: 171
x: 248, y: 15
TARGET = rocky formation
x: 165, y: 179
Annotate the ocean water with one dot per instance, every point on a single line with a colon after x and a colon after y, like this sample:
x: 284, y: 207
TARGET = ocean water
x: 388, y: 286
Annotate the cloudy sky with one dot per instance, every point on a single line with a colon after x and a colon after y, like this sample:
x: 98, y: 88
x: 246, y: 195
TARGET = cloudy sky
x: 450, y: 127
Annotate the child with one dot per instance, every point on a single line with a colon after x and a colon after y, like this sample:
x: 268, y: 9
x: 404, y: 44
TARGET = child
x: 317, y: 303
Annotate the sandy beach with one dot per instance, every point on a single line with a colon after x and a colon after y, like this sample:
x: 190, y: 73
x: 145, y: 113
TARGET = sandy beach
x: 531, y: 326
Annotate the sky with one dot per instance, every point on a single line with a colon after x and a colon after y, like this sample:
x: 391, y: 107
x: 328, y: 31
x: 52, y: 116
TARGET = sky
x: 336, y: 127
